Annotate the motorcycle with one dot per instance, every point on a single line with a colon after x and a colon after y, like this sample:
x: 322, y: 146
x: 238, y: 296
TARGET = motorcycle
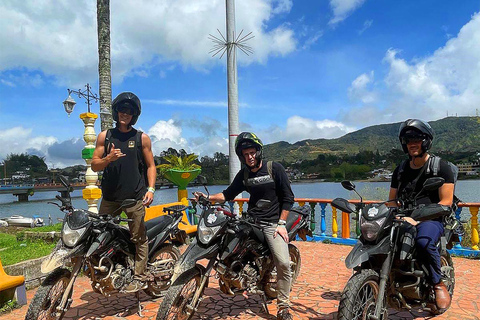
x: 387, y: 268
x: 100, y: 247
x: 236, y: 249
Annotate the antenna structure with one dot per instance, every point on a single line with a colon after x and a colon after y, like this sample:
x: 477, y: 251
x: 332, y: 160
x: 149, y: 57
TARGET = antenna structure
x: 221, y: 45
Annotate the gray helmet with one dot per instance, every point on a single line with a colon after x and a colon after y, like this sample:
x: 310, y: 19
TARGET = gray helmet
x: 416, y: 128
x: 247, y: 140
x: 130, y: 99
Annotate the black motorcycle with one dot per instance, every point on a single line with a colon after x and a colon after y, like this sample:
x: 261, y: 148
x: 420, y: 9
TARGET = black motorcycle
x: 236, y: 249
x: 100, y: 247
x: 387, y: 271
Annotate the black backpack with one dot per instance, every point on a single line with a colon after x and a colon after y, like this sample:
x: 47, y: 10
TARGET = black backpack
x: 432, y: 167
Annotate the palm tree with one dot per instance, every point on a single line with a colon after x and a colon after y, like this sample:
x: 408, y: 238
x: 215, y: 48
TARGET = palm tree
x: 104, y: 64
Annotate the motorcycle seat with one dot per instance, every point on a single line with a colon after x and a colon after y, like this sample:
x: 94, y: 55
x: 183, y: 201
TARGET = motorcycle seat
x: 156, y: 225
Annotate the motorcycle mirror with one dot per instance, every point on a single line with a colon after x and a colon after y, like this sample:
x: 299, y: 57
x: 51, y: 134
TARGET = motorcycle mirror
x: 128, y: 203
x: 263, y: 204
x: 64, y: 181
x: 433, y: 183
x: 343, y: 204
x: 202, y: 180
x: 348, y: 185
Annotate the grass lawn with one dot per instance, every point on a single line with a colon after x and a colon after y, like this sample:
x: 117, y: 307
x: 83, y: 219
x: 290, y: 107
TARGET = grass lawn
x: 12, y: 251
x: 54, y: 227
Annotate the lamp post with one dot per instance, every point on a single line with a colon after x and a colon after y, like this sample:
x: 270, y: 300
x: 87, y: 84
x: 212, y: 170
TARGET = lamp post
x: 91, y: 193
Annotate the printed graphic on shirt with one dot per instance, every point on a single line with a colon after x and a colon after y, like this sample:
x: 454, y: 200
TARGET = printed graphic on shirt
x: 259, y: 180
x: 131, y: 144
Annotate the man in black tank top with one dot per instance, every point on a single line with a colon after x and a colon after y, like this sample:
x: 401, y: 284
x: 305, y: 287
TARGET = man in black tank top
x: 125, y: 156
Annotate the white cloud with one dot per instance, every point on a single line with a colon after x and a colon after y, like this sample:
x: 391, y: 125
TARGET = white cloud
x: 19, y: 139
x: 166, y: 134
x: 52, y: 36
x: 448, y: 81
x: 359, y: 89
x: 367, y: 24
x: 342, y: 9
x: 298, y: 128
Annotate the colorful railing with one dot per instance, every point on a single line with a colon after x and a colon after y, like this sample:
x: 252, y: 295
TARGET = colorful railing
x: 345, y: 222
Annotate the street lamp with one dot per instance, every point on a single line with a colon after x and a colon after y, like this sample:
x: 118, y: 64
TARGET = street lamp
x: 91, y: 193
x: 69, y: 103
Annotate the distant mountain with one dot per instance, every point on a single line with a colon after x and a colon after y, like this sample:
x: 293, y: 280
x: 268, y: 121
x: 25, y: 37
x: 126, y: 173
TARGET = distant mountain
x: 452, y: 134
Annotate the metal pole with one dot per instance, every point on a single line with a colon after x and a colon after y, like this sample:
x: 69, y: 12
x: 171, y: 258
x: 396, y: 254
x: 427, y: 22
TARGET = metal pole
x: 233, y: 127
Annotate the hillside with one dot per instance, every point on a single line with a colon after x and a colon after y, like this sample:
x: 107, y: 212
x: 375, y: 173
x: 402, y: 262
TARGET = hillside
x: 452, y: 134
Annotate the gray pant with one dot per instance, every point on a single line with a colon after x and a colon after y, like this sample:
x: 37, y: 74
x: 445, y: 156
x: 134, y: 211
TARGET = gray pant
x: 137, y: 230
x: 281, y: 258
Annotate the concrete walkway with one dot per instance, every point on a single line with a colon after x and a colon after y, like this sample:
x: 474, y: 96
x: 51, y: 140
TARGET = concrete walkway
x: 315, y: 295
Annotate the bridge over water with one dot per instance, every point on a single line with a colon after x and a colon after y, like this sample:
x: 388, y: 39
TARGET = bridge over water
x: 23, y: 191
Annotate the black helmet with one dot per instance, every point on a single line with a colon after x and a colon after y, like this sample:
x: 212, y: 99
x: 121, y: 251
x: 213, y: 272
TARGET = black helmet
x: 247, y: 140
x: 129, y: 99
x: 416, y: 128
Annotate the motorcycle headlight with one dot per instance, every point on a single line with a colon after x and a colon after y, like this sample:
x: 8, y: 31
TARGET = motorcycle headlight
x: 205, y: 234
x: 370, y: 229
x: 71, y: 237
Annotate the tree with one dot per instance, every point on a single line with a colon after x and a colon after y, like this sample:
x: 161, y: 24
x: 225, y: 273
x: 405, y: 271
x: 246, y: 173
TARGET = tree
x: 104, y: 64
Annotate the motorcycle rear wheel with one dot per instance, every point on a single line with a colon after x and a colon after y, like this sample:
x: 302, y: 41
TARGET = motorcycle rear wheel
x: 270, y: 287
x: 360, y: 296
x: 49, y: 296
x: 175, y: 304
x: 170, y: 252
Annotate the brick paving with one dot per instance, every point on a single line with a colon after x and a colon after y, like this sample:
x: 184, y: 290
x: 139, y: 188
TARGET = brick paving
x: 315, y: 295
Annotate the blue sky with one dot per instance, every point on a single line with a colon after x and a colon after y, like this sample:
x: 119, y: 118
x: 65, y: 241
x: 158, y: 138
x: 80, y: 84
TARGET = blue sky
x: 320, y: 69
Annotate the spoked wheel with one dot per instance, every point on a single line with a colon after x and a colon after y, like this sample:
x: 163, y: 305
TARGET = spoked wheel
x: 295, y: 265
x: 360, y: 297
x: 176, y: 304
x: 48, y: 297
x: 163, y: 259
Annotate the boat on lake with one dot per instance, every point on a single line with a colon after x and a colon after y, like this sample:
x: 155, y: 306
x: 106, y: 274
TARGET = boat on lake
x: 21, y: 221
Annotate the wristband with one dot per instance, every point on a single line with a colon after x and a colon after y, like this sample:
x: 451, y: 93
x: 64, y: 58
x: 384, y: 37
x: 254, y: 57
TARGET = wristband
x: 150, y: 189
x: 282, y: 222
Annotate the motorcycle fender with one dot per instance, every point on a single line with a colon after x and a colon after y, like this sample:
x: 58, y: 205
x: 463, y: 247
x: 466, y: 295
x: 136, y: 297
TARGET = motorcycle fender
x: 157, y: 241
x: 58, y: 257
x: 194, y: 253
x: 362, y: 252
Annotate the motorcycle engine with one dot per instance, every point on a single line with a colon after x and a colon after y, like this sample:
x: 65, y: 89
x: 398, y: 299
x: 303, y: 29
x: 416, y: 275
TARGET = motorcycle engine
x: 119, y: 277
x: 240, y: 277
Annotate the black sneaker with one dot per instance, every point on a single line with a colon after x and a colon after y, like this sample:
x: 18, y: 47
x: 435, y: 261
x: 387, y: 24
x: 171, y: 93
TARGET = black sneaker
x: 135, y: 285
x: 284, y: 314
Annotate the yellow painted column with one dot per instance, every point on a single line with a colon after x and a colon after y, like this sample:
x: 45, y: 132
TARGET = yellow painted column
x: 91, y: 193
x: 183, y: 196
x: 334, y: 222
x: 240, y: 207
x: 474, y: 219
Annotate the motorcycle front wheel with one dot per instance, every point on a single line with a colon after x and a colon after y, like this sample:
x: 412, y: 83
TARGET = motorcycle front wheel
x: 360, y: 297
x: 176, y: 304
x: 48, y: 297
x: 167, y: 256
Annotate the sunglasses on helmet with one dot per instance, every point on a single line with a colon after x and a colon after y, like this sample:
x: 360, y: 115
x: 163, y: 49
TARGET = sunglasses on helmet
x: 126, y: 108
x: 412, y: 137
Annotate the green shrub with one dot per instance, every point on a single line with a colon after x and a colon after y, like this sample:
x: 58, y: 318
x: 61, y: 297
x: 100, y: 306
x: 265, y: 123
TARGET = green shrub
x: 8, y: 306
x: 467, y: 237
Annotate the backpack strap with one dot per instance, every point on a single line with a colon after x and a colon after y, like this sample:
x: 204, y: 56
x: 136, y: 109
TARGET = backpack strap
x: 107, y: 146
x: 401, y: 168
x: 270, y: 169
x: 433, y: 165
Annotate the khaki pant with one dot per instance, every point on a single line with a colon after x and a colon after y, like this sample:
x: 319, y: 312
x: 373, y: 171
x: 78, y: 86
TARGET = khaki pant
x: 281, y: 258
x: 137, y: 230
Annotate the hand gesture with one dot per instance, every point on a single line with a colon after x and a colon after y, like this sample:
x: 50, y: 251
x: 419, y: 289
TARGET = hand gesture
x: 115, y: 154
x: 282, y: 231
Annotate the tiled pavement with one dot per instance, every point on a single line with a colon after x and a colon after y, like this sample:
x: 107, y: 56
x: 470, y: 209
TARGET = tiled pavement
x: 315, y: 294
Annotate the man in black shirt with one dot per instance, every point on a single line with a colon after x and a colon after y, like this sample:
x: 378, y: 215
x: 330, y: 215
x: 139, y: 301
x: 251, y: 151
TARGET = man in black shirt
x: 416, y: 137
x: 274, y: 186
x: 125, y: 156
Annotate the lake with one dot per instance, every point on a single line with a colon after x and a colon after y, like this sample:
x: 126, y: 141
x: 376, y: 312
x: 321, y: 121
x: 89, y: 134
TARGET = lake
x: 466, y: 190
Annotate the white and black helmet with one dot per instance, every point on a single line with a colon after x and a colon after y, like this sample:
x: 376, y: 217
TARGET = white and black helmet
x: 129, y: 99
x: 418, y: 129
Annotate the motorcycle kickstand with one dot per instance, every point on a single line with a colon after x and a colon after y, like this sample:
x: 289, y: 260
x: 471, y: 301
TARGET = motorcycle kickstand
x: 264, y: 303
x: 139, y: 305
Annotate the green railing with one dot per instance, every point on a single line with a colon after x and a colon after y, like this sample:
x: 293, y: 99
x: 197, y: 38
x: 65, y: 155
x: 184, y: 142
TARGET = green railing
x: 344, y: 220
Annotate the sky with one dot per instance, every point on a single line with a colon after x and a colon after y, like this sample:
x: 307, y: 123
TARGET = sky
x: 320, y: 69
